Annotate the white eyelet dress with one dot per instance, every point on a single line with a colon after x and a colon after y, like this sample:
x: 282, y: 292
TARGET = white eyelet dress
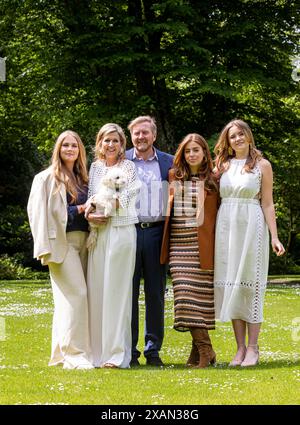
x: 241, y: 248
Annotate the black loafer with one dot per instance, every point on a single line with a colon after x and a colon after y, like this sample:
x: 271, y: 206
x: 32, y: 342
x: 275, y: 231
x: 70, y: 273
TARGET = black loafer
x: 134, y: 362
x: 154, y: 361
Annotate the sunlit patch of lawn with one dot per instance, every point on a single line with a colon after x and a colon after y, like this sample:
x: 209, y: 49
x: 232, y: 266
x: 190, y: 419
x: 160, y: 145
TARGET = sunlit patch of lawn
x: 26, y: 312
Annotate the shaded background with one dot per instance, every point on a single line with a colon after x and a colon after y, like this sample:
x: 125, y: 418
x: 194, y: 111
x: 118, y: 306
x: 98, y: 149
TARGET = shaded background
x: 194, y: 65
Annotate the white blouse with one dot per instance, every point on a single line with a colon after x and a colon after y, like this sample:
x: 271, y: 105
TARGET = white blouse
x: 126, y: 213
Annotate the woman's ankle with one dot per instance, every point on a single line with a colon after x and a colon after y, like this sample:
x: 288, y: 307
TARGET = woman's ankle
x: 253, y: 347
x: 241, y: 347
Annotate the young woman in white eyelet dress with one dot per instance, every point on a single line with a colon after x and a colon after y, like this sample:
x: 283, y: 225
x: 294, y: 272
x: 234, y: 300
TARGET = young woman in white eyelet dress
x: 245, y: 217
x: 111, y: 262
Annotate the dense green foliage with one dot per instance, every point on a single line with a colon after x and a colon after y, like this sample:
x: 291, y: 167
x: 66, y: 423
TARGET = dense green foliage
x: 194, y: 65
x: 12, y: 269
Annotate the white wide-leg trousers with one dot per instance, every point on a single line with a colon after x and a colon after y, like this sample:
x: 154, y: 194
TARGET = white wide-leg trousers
x: 110, y: 271
x: 70, y: 331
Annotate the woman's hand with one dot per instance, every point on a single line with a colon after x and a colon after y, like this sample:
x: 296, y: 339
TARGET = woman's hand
x: 97, y: 219
x: 81, y: 208
x: 277, y: 247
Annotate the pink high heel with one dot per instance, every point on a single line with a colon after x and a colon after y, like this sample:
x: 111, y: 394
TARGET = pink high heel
x: 250, y: 359
x: 238, y: 358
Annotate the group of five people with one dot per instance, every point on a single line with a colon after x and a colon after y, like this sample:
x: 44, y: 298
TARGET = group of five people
x: 210, y: 224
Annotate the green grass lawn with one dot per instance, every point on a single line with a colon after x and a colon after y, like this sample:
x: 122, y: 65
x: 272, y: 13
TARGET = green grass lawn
x: 25, y: 378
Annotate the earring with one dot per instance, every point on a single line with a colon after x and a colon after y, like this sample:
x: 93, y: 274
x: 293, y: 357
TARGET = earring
x: 230, y: 152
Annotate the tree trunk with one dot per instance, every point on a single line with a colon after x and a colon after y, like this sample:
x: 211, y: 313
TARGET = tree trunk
x: 149, y: 83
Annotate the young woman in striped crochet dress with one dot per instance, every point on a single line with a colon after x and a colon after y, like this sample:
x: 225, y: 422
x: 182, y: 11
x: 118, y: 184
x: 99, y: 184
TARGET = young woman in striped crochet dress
x: 188, y: 244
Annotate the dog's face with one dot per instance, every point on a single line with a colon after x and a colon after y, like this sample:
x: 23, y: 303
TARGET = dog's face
x: 115, y: 179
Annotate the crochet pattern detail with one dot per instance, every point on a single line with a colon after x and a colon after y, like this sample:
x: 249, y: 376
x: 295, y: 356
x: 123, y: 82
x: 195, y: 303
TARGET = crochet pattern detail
x: 242, y: 246
x: 126, y: 214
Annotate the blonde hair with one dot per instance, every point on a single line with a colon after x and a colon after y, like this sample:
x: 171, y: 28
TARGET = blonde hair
x: 107, y: 129
x: 73, y: 181
x: 222, y: 147
x: 141, y: 119
x: 182, y: 168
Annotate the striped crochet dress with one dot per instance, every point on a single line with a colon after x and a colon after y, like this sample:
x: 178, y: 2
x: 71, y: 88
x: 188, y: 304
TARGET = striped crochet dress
x: 193, y: 286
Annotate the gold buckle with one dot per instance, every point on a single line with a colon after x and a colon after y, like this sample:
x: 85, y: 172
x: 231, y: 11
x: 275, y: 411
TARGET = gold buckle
x: 145, y: 225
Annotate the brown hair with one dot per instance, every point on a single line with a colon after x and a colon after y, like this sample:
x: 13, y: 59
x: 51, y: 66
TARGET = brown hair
x: 182, y: 169
x: 104, y: 130
x: 222, y: 147
x: 73, y: 181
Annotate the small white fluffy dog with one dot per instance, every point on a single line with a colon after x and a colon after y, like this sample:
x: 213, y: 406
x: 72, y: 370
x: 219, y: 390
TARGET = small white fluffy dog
x: 102, y: 202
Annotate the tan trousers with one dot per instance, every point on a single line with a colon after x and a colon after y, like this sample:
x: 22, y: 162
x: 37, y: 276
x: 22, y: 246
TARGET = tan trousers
x: 70, y: 331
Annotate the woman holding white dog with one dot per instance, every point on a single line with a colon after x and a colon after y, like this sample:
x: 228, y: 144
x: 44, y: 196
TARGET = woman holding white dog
x: 112, y: 259
x: 55, y: 209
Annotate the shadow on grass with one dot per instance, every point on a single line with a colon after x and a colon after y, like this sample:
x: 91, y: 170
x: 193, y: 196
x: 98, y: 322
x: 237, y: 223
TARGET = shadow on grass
x: 21, y: 283
x: 274, y: 364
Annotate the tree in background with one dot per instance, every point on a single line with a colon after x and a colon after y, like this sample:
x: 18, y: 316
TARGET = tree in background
x: 193, y: 65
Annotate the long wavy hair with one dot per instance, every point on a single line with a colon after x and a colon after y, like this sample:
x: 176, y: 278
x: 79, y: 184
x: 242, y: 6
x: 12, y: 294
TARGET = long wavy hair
x: 75, y: 181
x: 223, y: 153
x: 107, y: 129
x: 182, y: 169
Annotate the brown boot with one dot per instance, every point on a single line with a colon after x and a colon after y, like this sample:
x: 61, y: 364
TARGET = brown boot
x: 203, y: 343
x: 194, y: 358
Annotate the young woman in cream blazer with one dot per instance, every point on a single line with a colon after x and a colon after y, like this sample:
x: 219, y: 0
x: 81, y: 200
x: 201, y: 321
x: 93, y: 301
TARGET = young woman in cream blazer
x: 55, y: 208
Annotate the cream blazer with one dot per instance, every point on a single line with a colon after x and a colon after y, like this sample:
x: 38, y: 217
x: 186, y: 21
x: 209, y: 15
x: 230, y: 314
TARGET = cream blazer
x: 48, y: 216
